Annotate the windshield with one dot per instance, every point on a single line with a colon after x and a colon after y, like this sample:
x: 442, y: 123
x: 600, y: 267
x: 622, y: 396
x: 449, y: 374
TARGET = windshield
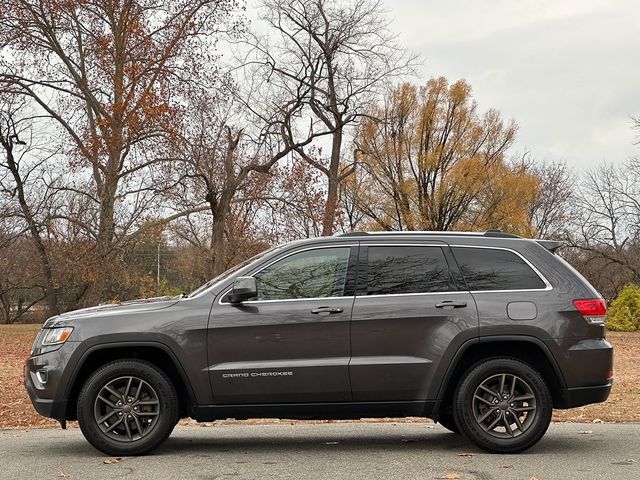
x: 230, y: 272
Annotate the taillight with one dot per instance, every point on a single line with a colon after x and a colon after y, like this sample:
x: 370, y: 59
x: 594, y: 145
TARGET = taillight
x: 594, y: 310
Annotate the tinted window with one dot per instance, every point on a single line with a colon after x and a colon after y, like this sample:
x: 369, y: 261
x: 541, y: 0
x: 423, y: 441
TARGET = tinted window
x: 309, y: 274
x: 492, y: 269
x: 407, y: 269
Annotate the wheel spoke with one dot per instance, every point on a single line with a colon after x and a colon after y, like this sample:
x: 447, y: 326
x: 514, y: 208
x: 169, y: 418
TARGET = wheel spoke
x: 138, y: 425
x: 108, y: 402
x: 524, y: 409
x: 147, y: 414
x: 485, y: 416
x: 128, y: 430
x: 107, y: 416
x: 490, y: 392
x: 507, y: 425
x: 126, y: 390
x: 118, y: 395
x: 503, y: 380
x: 517, y: 421
x: 513, y: 386
x: 524, y: 398
x: 139, y: 390
x: 114, y: 425
x: 147, y: 402
x: 484, y: 400
x: 494, y: 423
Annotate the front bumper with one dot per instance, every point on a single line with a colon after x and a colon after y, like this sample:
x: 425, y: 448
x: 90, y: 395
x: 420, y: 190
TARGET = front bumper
x: 46, y: 407
x: 45, y: 379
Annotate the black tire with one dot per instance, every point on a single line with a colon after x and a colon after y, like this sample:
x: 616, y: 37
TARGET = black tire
x: 157, y: 401
x: 448, y: 422
x: 522, y: 393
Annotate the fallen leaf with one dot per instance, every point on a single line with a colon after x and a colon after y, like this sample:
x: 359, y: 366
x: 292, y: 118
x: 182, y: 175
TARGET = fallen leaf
x: 533, y: 478
x: 585, y: 432
x: 466, y: 454
x: 331, y: 443
x: 597, y: 420
x: 62, y: 474
x: 506, y: 465
x: 452, y: 476
x: 112, y: 460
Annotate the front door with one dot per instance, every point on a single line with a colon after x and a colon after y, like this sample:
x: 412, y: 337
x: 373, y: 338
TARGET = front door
x: 291, y: 343
x: 409, y: 309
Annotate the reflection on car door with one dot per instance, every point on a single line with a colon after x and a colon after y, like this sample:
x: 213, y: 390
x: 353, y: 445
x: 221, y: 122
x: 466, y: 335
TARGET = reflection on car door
x: 410, y: 306
x: 291, y: 343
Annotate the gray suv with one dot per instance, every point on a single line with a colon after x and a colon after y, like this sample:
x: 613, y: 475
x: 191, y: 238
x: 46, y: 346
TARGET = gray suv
x: 484, y: 333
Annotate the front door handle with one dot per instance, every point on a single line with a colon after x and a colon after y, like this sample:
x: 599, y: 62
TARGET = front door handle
x: 451, y: 304
x: 326, y: 310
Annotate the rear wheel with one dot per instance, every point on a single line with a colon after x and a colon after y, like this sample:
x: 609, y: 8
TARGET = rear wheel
x: 503, y: 405
x: 127, y: 407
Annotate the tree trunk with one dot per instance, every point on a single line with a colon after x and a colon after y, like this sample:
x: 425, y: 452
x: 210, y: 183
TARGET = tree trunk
x: 106, y: 228
x: 332, y: 187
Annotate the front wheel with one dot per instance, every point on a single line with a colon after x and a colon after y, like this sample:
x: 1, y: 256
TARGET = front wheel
x: 127, y: 407
x: 503, y: 405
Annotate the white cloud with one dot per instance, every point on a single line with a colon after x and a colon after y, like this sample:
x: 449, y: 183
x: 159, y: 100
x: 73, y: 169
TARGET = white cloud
x: 566, y: 70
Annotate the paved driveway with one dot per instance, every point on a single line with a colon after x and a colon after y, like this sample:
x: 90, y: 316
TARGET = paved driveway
x: 328, y: 451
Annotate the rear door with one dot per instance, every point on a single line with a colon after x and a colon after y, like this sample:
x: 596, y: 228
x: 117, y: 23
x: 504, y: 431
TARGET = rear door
x: 410, y: 307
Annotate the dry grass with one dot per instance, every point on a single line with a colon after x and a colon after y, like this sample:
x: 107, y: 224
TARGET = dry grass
x: 16, y: 410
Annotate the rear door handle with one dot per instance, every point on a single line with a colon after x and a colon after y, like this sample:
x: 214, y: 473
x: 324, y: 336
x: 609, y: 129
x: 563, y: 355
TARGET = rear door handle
x: 451, y: 304
x: 326, y: 310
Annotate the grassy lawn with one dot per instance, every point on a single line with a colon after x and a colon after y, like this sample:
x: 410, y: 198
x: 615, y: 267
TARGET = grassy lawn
x: 16, y: 410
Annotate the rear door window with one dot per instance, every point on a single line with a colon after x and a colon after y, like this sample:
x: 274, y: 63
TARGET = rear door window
x: 396, y: 270
x: 495, y: 269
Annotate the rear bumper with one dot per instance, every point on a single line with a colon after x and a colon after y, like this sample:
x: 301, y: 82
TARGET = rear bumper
x: 579, y: 396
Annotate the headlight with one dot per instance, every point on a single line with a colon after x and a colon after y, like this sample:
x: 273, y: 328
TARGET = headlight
x: 56, y: 336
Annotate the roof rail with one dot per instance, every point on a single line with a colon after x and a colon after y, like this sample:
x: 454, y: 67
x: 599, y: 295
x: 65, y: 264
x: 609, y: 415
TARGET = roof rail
x: 500, y: 234
x: 488, y: 233
x: 352, y: 234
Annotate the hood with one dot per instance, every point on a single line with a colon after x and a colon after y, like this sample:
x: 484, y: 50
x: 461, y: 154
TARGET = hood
x: 131, y: 306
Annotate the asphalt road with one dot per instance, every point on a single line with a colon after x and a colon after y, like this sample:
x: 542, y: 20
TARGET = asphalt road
x: 328, y: 451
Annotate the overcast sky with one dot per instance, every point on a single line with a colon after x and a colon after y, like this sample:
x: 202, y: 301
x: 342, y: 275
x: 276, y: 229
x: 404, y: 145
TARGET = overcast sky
x: 568, y: 71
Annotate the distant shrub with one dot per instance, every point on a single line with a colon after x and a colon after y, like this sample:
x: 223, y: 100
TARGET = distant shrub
x: 624, y: 311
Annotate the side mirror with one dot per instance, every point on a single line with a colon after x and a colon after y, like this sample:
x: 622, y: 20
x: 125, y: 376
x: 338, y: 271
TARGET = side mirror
x: 243, y: 289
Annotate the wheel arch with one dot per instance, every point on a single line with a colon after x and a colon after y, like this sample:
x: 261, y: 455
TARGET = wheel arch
x: 528, y: 349
x: 154, y: 352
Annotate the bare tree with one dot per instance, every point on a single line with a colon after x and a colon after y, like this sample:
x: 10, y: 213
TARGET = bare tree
x: 334, y: 58
x: 227, y: 155
x: 111, y: 75
x: 551, y: 213
x: 16, y: 140
x: 608, y: 227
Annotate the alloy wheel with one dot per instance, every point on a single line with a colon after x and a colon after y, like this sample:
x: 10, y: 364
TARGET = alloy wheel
x: 126, y: 409
x: 504, y: 405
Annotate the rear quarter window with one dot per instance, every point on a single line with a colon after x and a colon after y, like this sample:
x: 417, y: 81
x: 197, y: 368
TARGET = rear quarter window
x: 495, y: 269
